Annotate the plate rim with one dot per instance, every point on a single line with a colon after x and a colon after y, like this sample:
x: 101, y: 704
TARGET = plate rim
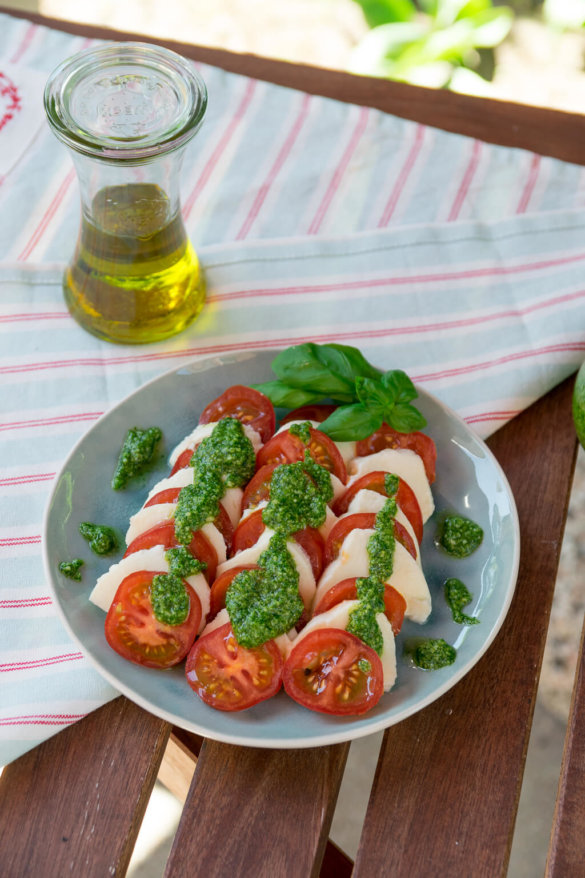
x: 347, y: 731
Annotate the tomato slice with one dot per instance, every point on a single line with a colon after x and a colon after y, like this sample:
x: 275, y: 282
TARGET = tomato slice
x: 164, y: 535
x: 405, y: 497
x: 169, y: 495
x: 315, y: 412
x: 286, y: 447
x: 386, y: 437
x: 333, y: 671
x: 228, y: 676
x: 220, y: 587
x: 222, y: 522
x: 364, y: 520
x: 346, y: 590
x: 247, y: 405
x: 183, y: 460
x: 134, y: 632
x: 258, y: 488
x: 250, y: 529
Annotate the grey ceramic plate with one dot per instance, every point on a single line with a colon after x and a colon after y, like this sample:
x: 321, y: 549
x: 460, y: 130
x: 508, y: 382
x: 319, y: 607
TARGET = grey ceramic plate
x: 469, y: 480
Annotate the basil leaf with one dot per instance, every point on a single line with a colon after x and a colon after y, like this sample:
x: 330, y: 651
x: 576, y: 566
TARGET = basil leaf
x: 282, y: 395
x: 303, y: 367
x: 351, y: 422
x: 354, y: 360
x: 405, y: 418
x: 371, y: 394
x: 399, y: 386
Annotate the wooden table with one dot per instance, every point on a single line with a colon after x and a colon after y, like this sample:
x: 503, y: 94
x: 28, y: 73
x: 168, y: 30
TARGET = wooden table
x: 445, y: 794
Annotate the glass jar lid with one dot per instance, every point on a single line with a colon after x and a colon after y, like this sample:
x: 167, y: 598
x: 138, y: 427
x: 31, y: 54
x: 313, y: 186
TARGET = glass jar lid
x: 125, y: 102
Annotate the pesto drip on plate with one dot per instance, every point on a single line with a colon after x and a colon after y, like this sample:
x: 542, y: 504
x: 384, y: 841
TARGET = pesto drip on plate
x: 370, y: 589
x: 265, y: 603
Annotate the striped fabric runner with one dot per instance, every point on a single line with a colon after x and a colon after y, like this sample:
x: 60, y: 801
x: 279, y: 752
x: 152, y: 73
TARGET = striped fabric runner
x: 458, y: 261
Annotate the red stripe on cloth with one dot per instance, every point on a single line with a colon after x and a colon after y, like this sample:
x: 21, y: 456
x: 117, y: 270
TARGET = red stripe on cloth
x: 403, y: 177
x: 46, y: 422
x: 40, y: 663
x: 275, y: 169
x: 45, y: 315
x: 339, y: 172
x: 19, y: 541
x: 26, y: 480
x: 530, y: 184
x: 465, y: 182
x: 576, y: 346
x: 18, y: 603
x: 220, y: 148
x: 27, y: 40
x: 491, y: 416
x: 48, y: 216
x: 42, y: 719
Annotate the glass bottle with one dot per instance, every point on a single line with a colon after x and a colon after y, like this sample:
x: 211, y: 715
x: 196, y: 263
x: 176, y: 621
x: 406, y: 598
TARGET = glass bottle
x: 127, y: 111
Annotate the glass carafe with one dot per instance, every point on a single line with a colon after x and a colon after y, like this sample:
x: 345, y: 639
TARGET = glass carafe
x: 127, y: 111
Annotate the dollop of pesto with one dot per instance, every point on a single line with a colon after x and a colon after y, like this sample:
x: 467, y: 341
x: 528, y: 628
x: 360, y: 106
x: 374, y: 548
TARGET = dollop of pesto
x: 460, y: 536
x: 101, y: 538
x: 264, y: 603
x: 182, y: 563
x: 296, y: 501
x: 458, y: 596
x: 434, y: 654
x: 382, y: 543
x: 223, y: 460
x: 169, y: 599
x: 136, y: 453
x: 362, y: 618
x: 302, y: 430
x: 72, y: 569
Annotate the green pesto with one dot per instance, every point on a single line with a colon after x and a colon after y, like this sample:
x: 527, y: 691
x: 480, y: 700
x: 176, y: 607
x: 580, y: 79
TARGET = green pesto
x: 101, y: 538
x: 182, y: 563
x: 266, y: 602
x: 223, y: 460
x: 434, y: 654
x: 169, y: 599
x: 364, y: 666
x: 391, y: 484
x: 362, y: 618
x: 382, y: 542
x: 320, y: 476
x: 136, y: 453
x: 459, y: 536
x: 458, y: 596
x: 295, y: 500
x: 302, y: 430
x: 71, y: 569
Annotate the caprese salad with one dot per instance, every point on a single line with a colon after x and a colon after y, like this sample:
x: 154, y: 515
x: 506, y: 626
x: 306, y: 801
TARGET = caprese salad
x: 276, y: 558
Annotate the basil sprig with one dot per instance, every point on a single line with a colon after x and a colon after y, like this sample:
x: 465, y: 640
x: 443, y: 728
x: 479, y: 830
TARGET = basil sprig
x: 310, y: 373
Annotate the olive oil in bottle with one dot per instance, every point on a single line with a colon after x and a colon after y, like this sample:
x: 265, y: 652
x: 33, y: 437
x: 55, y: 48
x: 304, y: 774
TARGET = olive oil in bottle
x: 134, y: 276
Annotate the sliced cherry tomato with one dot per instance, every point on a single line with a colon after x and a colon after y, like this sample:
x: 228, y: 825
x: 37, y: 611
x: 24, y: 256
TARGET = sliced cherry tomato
x: 405, y: 497
x: 363, y: 520
x: 136, y: 634
x: 286, y: 447
x: 228, y: 676
x: 316, y: 412
x: 346, y: 590
x: 250, y: 529
x: 247, y: 405
x: 183, y: 460
x: 222, y: 522
x: 386, y: 437
x: 333, y: 671
x: 164, y: 535
x: 258, y: 488
x: 169, y: 495
x: 220, y: 587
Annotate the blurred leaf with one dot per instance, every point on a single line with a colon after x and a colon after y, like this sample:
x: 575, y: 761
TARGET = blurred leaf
x: 449, y: 11
x: 467, y: 82
x: 378, y: 12
x: 491, y: 27
x: 382, y: 44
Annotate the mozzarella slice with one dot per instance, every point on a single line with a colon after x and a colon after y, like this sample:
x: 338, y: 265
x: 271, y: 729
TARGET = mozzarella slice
x: 250, y: 556
x: 232, y: 503
x: 147, y: 517
x: 216, y: 539
x: 402, y: 462
x: 181, y: 479
x: 372, y: 501
x: 406, y: 577
x: 154, y: 560
x: 202, y: 431
x: 338, y: 617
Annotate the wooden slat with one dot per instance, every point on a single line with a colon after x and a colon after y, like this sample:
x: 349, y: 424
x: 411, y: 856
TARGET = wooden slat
x: 265, y: 813
x: 549, y: 132
x: 446, y: 790
x: 567, y: 845
x: 73, y: 805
